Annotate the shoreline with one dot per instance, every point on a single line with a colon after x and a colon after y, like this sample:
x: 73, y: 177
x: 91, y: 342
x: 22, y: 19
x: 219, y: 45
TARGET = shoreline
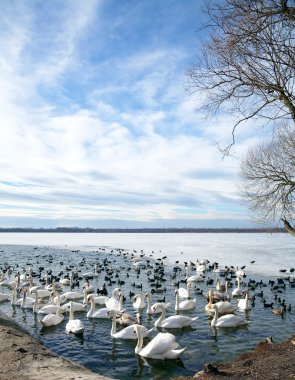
x: 23, y: 357
x: 268, y: 361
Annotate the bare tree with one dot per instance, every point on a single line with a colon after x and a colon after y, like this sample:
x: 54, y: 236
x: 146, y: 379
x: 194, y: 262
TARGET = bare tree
x: 247, y: 63
x: 268, y: 172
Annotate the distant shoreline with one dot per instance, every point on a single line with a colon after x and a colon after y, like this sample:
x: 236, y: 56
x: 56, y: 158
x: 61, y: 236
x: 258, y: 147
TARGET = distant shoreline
x: 142, y: 230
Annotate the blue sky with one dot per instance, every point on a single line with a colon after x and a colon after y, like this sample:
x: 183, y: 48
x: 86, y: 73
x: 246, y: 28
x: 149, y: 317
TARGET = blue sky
x: 96, y: 127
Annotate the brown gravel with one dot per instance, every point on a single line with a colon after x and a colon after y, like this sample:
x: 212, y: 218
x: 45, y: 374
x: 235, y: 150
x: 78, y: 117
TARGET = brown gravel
x: 268, y: 362
x: 24, y: 358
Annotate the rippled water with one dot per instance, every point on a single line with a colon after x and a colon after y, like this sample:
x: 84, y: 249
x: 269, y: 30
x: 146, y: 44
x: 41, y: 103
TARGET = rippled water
x: 105, y: 355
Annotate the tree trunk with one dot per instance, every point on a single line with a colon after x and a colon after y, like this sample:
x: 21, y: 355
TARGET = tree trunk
x: 288, y: 227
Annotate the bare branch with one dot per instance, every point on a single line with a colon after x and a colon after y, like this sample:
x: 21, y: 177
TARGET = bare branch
x: 247, y: 65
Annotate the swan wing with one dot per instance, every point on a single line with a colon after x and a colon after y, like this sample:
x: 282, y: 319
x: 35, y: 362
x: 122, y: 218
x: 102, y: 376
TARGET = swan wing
x: 187, y: 304
x: 161, y: 344
x: 183, y: 293
x: 225, y: 307
x: 48, y: 309
x: 75, y: 326
x: 100, y: 300
x: 126, y: 333
x: 174, y: 354
x: 231, y: 320
x: 51, y: 320
x: 113, y: 304
x: 102, y: 313
x: 177, y: 321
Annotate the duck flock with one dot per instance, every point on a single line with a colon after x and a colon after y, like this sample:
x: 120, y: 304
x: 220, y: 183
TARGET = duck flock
x: 145, y: 299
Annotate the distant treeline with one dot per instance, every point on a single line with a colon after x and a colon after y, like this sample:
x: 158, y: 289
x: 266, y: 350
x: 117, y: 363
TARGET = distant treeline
x: 145, y: 230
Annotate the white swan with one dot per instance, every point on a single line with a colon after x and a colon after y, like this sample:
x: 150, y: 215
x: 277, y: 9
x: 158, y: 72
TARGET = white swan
x: 127, y: 332
x: 42, y: 293
x: 74, y: 326
x: 115, y: 303
x: 194, y: 278
x: 99, y: 300
x: 29, y: 302
x: 52, y: 319
x: 244, y: 303
x: 184, y: 305
x: 220, y: 295
x: 219, y: 270
x: 220, y: 286
x: 237, y: 291
x: 139, y: 302
x: 91, y: 274
x: 240, y: 272
x: 228, y: 320
x: 149, y: 309
x: 87, y: 288
x: 73, y: 295
x: 92, y: 313
x: 223, y: 307
x: 14, y: 301
x: 51, y: 308
x: 76, y: 306
x: 163, y: 346
x: 172, y: 322
x: 185, y: 292
x: 201, y: 268
x: 66, y: 281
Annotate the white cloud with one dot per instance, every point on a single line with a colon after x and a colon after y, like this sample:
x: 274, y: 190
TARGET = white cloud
x: 94, y: 157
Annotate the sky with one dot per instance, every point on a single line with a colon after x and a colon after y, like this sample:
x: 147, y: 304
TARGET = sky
x: 97, y: 126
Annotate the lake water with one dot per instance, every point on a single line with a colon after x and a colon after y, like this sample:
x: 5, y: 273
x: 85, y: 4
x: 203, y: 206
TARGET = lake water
x: 105, y: 355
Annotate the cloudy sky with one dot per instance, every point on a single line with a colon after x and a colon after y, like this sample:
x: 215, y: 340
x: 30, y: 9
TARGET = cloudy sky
x: 97, y: 128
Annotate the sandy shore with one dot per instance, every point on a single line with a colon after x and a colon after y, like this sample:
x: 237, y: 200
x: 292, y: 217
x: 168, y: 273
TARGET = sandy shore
x: 24, y: 358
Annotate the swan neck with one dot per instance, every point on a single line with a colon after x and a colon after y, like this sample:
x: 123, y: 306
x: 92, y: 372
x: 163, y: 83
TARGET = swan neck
x: 121, y: 302
x: 226, y: 290
x: 214, y: 320
x: 188, y: 286
x: 58, y: 299
x: 24, y: 299
x: 85, y: 295
x: 14, y: 296
x: 149, y: 306
x: 176, y: 301
x: 71, y: 312
x: 187, y: 272
x: 92, y: 306
x: 113, y: 330
x: 139, y: 340
x: 159, y: 321
x: 246, y: 298
x: 35, y: 307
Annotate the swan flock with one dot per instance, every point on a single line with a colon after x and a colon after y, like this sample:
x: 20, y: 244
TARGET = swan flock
x: 167, y: 301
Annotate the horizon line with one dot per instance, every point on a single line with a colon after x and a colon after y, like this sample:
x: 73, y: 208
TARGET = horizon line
x: 143, y: 230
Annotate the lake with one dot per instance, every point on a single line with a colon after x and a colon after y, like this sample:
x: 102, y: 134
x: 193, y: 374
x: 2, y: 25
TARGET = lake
x: 101, y: 353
